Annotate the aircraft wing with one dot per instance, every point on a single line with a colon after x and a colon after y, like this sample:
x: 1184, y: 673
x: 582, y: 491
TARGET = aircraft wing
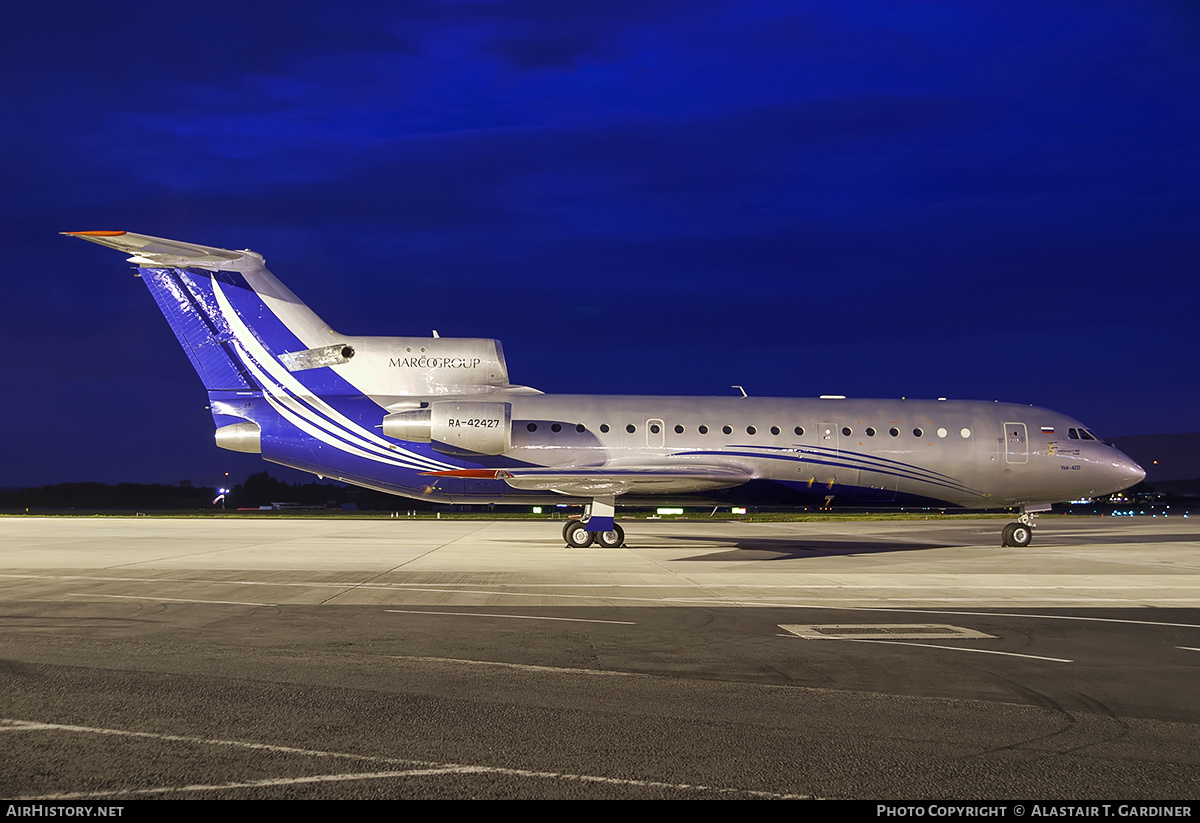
x: 607, y: 480
x: 158, y: 251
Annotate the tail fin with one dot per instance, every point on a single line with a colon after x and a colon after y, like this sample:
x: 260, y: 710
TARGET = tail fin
x: 204, y: 293
x: 280, y: 381
x: 243, y: 329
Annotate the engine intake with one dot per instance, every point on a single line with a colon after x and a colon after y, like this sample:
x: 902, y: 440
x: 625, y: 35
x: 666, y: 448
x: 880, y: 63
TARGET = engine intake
x: 455, y: 428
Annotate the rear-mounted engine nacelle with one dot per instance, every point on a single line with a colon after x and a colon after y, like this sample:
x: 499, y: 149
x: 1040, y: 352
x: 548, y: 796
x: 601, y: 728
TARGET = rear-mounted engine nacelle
x: 455, y: 428
x: 240, y: 437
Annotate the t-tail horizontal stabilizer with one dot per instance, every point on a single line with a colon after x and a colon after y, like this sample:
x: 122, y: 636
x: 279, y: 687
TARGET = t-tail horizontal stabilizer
x: 158, y: 251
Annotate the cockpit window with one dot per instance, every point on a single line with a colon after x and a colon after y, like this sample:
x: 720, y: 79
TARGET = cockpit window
x: 1073, y: 434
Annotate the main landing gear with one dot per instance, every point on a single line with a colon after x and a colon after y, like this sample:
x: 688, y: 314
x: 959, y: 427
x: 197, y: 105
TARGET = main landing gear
x: 577, y: 536
x: 596, y: 526
x: 1020, y: 534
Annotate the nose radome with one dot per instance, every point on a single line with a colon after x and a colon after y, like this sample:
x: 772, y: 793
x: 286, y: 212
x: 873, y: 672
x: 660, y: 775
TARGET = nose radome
x: 1127, y: 471
x: 1136, y: 473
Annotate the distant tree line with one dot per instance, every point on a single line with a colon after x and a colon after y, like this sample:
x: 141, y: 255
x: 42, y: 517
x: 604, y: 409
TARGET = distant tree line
x: 259, y: 489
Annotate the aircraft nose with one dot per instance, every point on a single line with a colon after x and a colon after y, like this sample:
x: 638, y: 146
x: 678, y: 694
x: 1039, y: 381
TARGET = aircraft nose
x: 1125, y: 471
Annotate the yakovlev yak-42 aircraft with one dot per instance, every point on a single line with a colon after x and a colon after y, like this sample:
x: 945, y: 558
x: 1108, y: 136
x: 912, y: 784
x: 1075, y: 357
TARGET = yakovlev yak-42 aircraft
x: 436, y: 418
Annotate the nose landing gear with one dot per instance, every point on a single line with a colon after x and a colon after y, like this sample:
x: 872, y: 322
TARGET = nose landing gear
x: 1017, y: 535
x: 1020, y: 534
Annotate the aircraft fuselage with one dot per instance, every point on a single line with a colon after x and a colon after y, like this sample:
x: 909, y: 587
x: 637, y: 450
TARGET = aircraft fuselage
x: 437, y: 419
x: 829, y: 452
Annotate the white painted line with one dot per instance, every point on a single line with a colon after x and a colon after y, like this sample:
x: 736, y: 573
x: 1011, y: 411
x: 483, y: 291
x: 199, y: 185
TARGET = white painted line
x: 416, y: 768
x: 720, y: 601
x: 884, y: 631
x: 506, y: 593
x: 445, y: 770
x: 345, y: 587
x: 169, y: 599
x: 767, y: 604
x: 275, y: 781
x: 1188, y: 648
x: 513, y: 616
x: 1042, y: 617
x: 519, y: 666
x: 444, y: 588
x: 930, y: 646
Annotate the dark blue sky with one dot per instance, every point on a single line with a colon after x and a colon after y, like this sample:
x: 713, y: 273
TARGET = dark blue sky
x: 983, y: 200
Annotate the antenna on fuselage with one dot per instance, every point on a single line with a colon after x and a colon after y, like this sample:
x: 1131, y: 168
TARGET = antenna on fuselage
x: 739, y: 388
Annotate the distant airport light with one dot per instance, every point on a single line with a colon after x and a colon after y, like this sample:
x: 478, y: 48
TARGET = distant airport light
x: 669, y: 511
x: 738, y: 510
x: 537, y: 509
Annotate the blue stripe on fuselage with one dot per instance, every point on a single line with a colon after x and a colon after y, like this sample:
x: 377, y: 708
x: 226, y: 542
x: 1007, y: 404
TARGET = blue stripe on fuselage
x: 918, y: 475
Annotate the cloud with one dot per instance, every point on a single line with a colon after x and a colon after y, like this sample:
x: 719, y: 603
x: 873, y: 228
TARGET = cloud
x: 559, y: 51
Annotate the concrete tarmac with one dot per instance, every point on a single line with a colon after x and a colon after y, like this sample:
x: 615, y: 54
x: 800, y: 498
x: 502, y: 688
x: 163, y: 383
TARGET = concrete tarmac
x: 439, y: 659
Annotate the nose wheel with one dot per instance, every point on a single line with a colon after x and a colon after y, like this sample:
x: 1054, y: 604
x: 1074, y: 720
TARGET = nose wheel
x: 1017, y: 535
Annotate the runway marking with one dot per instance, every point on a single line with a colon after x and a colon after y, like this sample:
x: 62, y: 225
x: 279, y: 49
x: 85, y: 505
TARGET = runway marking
x: 169, y: 599
x: 452, y: 589
x: 416, y: 768
x: 276, y: 781
x: 1188, y: 648
x: 766, y: 604
x: 884, y: 631
x: 520, y: 666
x: 512, y: 616
x: 1037, y: 616
x: 460, y: 587
x: 930, y: 646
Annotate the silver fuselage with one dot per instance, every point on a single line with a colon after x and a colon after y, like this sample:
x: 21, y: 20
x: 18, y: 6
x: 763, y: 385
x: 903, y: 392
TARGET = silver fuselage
x: 438, y: 419
x: 874, y: 453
